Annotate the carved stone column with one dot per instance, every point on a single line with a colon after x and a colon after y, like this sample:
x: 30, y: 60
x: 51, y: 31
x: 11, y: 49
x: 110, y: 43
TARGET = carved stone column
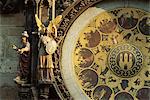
x: 37, y: 6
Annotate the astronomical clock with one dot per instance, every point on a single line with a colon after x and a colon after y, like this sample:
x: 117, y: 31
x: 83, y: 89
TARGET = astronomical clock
x: 105, y: 52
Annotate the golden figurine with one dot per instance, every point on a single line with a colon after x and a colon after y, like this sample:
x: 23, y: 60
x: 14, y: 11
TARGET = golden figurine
x: 47, y: 46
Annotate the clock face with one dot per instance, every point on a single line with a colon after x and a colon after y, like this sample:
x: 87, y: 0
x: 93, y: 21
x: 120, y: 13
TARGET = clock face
x: 111, y: 56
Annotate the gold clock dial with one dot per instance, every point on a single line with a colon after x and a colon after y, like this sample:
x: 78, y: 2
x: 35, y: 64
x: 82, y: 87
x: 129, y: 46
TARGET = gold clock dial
x: 112, y: 55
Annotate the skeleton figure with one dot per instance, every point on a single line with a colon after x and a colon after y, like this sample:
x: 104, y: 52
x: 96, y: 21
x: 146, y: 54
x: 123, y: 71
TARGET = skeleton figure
x: 47, y: 46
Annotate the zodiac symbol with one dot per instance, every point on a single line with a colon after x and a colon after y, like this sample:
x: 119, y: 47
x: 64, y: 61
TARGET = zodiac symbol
x: 103, y: 80
x: 137, y: 81
x: 124, y: 84
x: 105, y: 71
x: 114, y: 39
x: 132, y: 89
x: 105, y: 48
x: 127, y: 20
x: 116, y: 89
x: 148, y: 49
x: 78, y: 44
x: 127, y: 36
x: 111, y: 79
x: 147, y: 83
x: 147, y: 73
x: 104, y: 37
x: 138, y: 39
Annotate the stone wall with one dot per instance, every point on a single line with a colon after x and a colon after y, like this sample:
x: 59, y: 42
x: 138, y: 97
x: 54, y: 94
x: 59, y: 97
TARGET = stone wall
x: 11, y: 26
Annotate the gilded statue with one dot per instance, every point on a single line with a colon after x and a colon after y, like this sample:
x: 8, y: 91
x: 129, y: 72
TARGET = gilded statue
x: 47, y: 46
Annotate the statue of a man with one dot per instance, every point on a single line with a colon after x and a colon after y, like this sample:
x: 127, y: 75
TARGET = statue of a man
x: 24, y: 59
